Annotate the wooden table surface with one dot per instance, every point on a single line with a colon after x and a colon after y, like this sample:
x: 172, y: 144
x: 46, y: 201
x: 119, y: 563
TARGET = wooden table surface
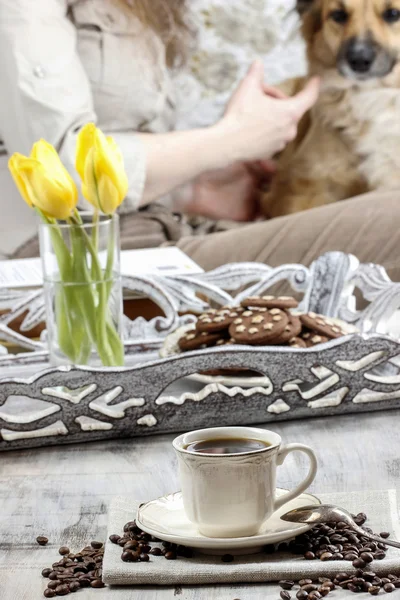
x: 64, y: 492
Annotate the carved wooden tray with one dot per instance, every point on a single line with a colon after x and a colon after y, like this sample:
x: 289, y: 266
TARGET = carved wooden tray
x: 360, y: 372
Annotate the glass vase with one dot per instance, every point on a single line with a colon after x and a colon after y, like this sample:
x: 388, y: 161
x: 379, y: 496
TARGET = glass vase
x: 83, y: 292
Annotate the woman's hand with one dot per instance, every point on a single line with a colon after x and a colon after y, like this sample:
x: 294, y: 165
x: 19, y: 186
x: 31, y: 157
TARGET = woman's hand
x: 231, y: 193
x: 259, y: 120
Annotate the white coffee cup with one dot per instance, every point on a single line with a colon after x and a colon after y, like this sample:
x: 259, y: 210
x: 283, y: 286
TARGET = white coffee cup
x: 231, y: 495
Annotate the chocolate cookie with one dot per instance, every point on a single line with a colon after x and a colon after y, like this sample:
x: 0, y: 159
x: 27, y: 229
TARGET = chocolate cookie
x: 218, y: 320
x: 270, y: 302
x: 322, y: 325
x: 297, y: 342
x: 314, y: 339
x: 258, y: 328
x: 196, y: 340
x: 292, y: 330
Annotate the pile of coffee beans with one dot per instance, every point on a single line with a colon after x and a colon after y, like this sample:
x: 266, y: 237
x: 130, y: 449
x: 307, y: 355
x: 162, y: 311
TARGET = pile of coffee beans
x: 75, y: 571
x: 337, y: 541
x: 360, y: 581
x: 138, y: 546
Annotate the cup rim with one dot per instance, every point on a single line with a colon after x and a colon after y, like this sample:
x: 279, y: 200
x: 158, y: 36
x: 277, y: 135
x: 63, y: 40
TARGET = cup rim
x: 263, y: 434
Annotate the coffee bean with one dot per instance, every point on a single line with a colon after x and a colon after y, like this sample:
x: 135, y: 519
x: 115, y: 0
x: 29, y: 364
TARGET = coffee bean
x: 326, y: 556
x: 156, y: 551
x: 74, y: 586
x: 114, y: 538
x: 358, y: 563
x: 62, y: 590
x: 384, y: 534
x: 304, y: 582
x: 367, y: 557
x: 396, y: 583
x: 53, y: 575
x: 379, y: 555
x: 96, y: 545
x: 369, y: 575
x: 145, y: 548
x: 350, y: 556
x: 358, y: 580
x: 381, y: 546
x: 53, y: 584
x: 314, y: 596
x: 225, y: 558
x: 360, y: 518
x: 385, y: 580
x: 286, y: 584
x: 324, y: 590
x: 352, y: 588
x: 309, y: 588
x: 144, y: 557
x: 132, y: 545
x: 285, y: 595
x: 122, y: 541
x: 170, y: 555
x: 46, y: 572
x: 301, y: 595
x: 84, y: 581
x: 127, y: 556
x: 49, y: 593
x: 342, y: 576
x: 366, y: 585
x: 374, y: 590
x: 130, y: 526
x: 42, y: 540
x: 309, y: 555
x: 63, y: 550
x: 389, y: 587
x: 97, y: 583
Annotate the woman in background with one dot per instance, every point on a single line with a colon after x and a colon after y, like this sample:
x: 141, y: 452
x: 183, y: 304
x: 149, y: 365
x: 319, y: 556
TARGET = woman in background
x: 67, y: 62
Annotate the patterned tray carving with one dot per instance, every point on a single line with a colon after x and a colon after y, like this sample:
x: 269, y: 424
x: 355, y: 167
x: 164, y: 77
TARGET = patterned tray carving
x: 70, y: 404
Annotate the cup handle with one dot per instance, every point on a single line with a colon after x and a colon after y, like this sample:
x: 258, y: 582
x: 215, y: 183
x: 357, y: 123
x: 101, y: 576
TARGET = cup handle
x: 282, y: 454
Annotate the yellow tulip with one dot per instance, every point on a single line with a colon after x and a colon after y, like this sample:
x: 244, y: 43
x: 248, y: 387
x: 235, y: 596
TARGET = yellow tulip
x: 43, y: 181
x: 100, y: 165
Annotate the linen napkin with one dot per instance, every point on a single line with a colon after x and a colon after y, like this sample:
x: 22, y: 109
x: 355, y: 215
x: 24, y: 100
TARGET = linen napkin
x: 381, y: 508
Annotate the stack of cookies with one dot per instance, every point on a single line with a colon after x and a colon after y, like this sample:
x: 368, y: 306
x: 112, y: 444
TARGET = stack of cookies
x: 260, y: 321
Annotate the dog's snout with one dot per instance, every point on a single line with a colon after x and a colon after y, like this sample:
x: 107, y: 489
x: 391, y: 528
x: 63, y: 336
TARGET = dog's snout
x: 360, y: 55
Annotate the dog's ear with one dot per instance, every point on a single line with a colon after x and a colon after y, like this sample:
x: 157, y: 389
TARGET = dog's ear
x: 303, y: 6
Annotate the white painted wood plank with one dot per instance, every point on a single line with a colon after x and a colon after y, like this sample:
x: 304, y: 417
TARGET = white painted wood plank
x: 64, y: 493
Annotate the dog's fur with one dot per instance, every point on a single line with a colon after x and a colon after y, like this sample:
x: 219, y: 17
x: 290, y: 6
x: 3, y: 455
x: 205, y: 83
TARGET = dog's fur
x: 349, y: 143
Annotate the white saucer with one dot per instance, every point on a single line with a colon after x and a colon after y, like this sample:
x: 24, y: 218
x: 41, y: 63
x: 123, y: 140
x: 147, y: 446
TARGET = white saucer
x: 165, y: 518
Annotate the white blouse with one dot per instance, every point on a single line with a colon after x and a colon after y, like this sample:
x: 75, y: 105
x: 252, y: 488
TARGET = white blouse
x: 67, y: 62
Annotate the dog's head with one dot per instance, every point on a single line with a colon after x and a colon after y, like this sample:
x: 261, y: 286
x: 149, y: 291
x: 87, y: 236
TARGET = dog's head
x: 361, y: 38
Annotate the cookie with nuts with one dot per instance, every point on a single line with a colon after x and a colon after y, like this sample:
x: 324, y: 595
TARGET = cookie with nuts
x: 292, y: 330
x: 284, y: 302
x: 313, y: 339
x: 297, y: 342
x: 198, y: 340
x: 259, y: 327
x: 321, y: 325
x: 218, y: 320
